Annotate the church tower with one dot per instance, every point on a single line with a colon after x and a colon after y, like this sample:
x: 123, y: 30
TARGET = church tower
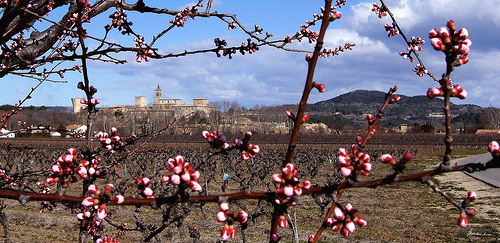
x: 157, y: 95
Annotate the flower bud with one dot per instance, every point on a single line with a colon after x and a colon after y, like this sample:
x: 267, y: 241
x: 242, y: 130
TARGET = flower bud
x: 175, y: 179
x: 320, y: 87
x: 406, y: 157
x: 463, y: 59
x: 343, y: 152
x: 349, y: 225
x: 364, y: 158
x: 305, y: 118
x: 195, y: 175
x: 367, y: 167
x: 461, y: 49
x: 494, y: 148
x: 297, y: 191
x: 369, y: 117
x: 306, y: 184
x: 451, y: 25
x: 145, y: 181
x: 205, y: 134
x: 195, y: 186
x: 361, y: 221
x: 221, y: 216
x: 119, y: 199
x: 335, y: 227
x: 345, y: 171
x: 52, y: 180
x: 276, y: 238
x: 444, y: 33
x: 288, y: 191
x: 277, y: 178
x: 108, y: 188
x: 433, y: 92
x: 93, y: 189
x: 89, y: 201
x: 290, y: 115
x: 185, y: 177
x: 433, y: 33
x: 471, y: 196
x: 387, y: 158
x: 394, y: 99
x: 57, y: 169
x: 437, y: 43
x: 349, y: 207
x: 462, y: 220
x: 101, y: 212
x: 242, y: 217
x: 308, y: 57
x: 283, y: 222
x: 343, y: 161
x: 466, y: 42
x: 462, y: 34
x: 245, y: 155
x: 335, y: 15
x: 147, y: 192
x: 338, y: 213
x: 82, y: 171
x: 462, y: 95
x: 72, y: 151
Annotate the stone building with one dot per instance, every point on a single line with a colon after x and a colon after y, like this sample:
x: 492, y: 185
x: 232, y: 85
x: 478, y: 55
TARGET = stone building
x: 141, y: 102
x: 177, y: 107
x: 167, y: 106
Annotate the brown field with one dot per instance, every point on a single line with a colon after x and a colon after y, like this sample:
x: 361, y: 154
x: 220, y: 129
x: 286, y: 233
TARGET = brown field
x: 403, y: 212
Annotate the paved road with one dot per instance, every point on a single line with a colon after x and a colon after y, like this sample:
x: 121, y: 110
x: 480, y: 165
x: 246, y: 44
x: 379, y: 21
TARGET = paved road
x: 490, y: 176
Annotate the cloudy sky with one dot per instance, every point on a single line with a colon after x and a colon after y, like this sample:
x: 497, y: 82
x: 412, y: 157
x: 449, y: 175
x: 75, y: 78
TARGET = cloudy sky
x: 271, y: 76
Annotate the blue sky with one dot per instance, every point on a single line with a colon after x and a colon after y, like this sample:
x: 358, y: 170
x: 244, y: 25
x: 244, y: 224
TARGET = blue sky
x: 271, y: 76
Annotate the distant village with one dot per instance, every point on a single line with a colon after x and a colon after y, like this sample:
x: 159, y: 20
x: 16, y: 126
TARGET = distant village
x: 192, y: 118
x: 174, y: 106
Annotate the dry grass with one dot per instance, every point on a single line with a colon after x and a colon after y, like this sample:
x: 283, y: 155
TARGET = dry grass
x: 404, y: 212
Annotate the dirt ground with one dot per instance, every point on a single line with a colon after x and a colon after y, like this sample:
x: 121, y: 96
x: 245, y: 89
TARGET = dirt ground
x: 488, y: 197
x: 402, y: 212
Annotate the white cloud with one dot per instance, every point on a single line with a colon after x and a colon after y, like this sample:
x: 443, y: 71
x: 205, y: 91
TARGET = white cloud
x: 338, y: 37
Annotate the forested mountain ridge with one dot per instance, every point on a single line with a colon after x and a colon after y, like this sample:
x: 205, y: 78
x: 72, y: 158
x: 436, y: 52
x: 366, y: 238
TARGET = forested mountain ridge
x: 410, y: 109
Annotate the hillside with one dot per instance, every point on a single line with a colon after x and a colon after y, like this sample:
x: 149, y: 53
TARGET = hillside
x: 353, y: 107
x: 346, y: 112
